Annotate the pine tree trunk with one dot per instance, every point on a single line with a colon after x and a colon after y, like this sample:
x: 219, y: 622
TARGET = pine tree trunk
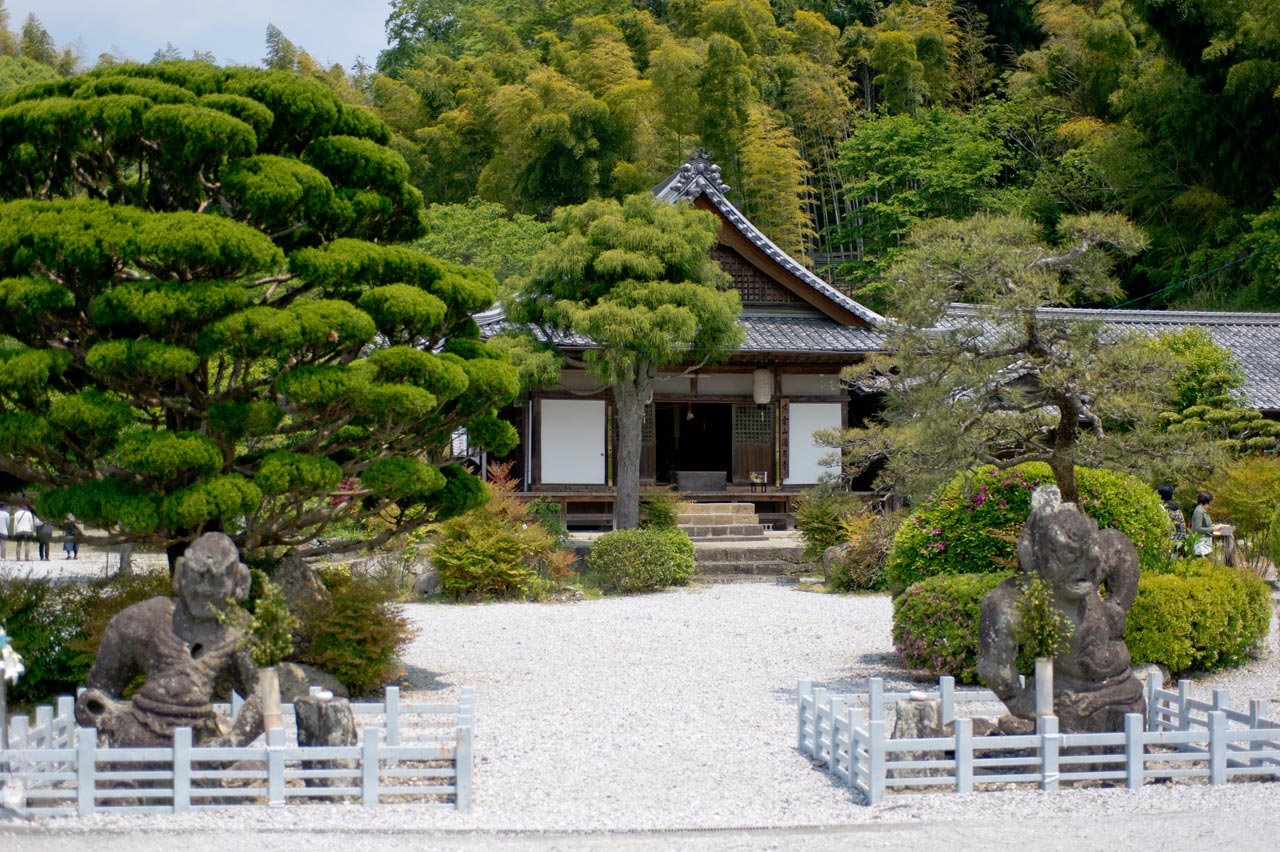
x: 630, y: 399
x: 1063, y: 459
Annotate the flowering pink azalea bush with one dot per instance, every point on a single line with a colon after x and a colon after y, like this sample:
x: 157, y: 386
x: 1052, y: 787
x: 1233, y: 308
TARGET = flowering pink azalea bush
x: 971, y: 524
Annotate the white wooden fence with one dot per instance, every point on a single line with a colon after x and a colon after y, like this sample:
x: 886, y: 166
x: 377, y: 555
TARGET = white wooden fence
x: 1182, y: 738
x: 407, y: 753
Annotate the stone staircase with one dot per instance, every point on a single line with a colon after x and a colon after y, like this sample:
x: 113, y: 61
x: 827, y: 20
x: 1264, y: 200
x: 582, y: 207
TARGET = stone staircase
x: 731, y: 545
x: 721, y: 522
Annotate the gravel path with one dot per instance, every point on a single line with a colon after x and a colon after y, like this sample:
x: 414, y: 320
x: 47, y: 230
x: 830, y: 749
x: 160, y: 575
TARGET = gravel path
x: 609, y: 723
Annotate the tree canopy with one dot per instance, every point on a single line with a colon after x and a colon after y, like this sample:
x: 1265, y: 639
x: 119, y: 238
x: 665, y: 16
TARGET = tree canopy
x: 635, y: 278
x: 205, y: 324
x: 1009, y: 383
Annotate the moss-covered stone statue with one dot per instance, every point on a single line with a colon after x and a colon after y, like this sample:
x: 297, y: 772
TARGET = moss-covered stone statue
x: 1093, y: 686
x: 186, y: 650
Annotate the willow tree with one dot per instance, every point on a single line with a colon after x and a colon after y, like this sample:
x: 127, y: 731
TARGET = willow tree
x: 636, y: 280
x: 202, y: 325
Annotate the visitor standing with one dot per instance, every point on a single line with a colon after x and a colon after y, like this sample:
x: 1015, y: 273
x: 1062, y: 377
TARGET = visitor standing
x: 71, y: 532
x: 1176, y: 517
x: 4, y: 532
x: 1202, y: 524
x: 24, y: 530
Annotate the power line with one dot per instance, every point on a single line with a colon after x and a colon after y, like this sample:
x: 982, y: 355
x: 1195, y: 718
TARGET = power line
x: 1249, y: 256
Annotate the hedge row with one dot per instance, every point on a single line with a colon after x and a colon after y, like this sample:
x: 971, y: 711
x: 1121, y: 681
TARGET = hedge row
x: 1193, y: 616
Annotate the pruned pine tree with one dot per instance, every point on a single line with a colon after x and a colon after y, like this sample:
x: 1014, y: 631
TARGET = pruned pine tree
x: 205, y: 325
x: 1004, y: 383
x: 636, y: 279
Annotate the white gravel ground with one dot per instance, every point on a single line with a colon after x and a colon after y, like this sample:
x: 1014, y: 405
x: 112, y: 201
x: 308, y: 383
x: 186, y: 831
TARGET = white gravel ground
x: 667, y: 722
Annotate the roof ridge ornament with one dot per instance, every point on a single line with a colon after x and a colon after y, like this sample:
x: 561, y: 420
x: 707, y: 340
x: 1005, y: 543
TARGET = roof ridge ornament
x: 699, y: 165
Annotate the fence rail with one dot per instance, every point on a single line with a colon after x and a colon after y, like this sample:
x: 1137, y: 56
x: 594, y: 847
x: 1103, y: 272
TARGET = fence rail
x: 407, y: 752
x: 1180, y: 737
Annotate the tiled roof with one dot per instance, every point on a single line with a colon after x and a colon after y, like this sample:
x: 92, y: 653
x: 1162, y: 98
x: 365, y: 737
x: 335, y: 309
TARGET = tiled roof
x: 781, y: 333
x: 1254, y: 338
x: 698, y: 177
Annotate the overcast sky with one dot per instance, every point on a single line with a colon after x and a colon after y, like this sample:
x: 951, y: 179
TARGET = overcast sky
x: 234, y: 31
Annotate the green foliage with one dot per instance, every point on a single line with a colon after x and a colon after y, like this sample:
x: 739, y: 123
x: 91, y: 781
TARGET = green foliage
x: 935, y: 624
x: 642, y: 560
x: 868, y: 538
x: 216, y: 242
x: 1246, y: 492
x: 1198, y: 616
x: 493, y: 551
x: 58, y: 626
x: 660, y: 507
x: 971, y: 524
x: 820, y: 514
x: 356, y: 634
x: 1043, y: 629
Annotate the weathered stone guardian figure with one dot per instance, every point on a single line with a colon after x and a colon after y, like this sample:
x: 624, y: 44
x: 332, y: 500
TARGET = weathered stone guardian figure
x: 1093, y: 685
x: 185, y: 651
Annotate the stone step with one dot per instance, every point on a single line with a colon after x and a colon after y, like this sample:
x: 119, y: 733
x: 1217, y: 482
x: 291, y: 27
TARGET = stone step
x: 720, y: 509
x: 703, y: 519
x: 767, y: 568
x: 723, y: 530
x: 713, y: 555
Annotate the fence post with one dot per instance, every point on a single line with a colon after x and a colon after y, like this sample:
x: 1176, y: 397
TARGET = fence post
x: 819, y: 696
x: 275, y: 767
x: 1256, y: 707
x: 44, y: 726
x: 181, y: 770
x: 947, y: 696
x: 369, y: 768
x: 964, y: 755
x: 837, y: 713
x: 1134, y: 776
x: 66, y: 718
x: 876, y: 756
x: 392, y: 706
x: 876, y: 699
x: 1050, y: 753
x: 86, y: 775
x: 236, y: 702
x: 1154, y: 722
x: 1217, y: 748
x: 463, y: 761
x: 804, y: 689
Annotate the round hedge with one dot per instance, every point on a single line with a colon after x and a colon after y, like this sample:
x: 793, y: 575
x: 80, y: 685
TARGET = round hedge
x: 1197, y: 615
x: 971, y: 524
x: 642, y: 560
x: 1192, y: 616
x: 935, y: 623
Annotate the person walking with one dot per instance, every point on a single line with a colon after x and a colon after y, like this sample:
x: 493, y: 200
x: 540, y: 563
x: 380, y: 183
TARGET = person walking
x: 4, y: 532
x: 24, y: 530
x: 44, y: 538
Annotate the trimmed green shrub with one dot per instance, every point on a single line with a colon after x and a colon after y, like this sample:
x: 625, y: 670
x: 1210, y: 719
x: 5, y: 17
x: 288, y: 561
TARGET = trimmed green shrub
x: 57, y: 626
x: 971, y: 524
x: 642, y: 560
x: 1197, y: 615
x: 356, y: 634
x: 820, y: 514
x: 935, y: 623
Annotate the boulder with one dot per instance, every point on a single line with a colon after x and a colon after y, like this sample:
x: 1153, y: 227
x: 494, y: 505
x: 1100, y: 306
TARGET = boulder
x: 296, y: 680
x: 427, y: 584
x: 299, y: 582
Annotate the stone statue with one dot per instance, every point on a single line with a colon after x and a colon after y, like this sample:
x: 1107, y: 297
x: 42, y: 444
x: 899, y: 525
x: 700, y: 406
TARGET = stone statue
x: 185, y: 651
x: 1093, y: 687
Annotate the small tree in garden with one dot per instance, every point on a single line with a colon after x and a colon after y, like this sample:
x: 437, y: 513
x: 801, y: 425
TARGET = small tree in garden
x: 635, y: 280
x: 1246, y: 492
x: 1007, y: 384
x: 203, y: 326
